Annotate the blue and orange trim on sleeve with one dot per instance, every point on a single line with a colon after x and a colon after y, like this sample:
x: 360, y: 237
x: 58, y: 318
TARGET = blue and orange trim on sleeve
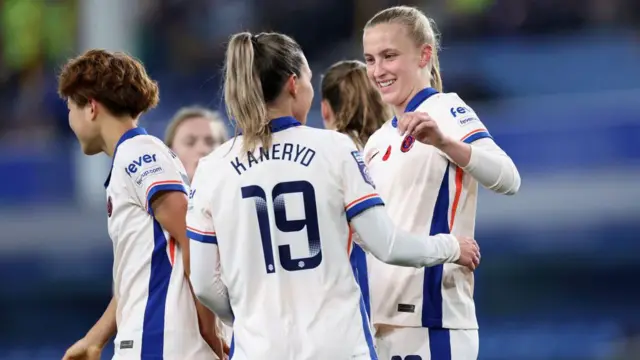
x: 476, y: 135
x: 166, y: 185
x: 361, y: 204
x: 207, y: 237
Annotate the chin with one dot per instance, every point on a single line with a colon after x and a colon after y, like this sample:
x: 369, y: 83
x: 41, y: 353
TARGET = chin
x: 392, y: 99
x: 89, y: 150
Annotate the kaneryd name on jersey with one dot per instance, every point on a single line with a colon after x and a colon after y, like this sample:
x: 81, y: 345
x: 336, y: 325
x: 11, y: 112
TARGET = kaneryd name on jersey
x: 279, y: 151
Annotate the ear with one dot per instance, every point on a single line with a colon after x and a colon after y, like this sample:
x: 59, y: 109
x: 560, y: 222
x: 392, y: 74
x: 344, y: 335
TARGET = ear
x: 426, y: 51
x: 292, y: 85
x: 91, y: 109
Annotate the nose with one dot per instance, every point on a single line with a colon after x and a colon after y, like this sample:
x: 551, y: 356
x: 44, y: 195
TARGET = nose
x: 378, y: 70
x: 203, y: 149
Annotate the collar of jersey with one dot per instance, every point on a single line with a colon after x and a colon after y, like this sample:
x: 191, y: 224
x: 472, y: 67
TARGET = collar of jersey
x: 282, y: 123
x: 126, y: 136
x: 417, y: 99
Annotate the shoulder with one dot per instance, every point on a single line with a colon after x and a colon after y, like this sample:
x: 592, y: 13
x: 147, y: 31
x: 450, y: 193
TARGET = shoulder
x: 142, y: 144
x: 449, y: 103
x: 449, y: 108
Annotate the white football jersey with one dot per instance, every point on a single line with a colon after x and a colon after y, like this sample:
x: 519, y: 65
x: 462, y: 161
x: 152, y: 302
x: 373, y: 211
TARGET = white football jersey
x: 425, y: 192
x: 156, y: 314
x: 279, y: 217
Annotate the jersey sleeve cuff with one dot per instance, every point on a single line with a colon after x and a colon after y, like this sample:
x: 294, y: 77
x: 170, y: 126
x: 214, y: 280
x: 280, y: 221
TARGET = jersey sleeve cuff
x: 476, y: 135
x: 207, y: 237
x: 359, y: 205
x: 169, y: 185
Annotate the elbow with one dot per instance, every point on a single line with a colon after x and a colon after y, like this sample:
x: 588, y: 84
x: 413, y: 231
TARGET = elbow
x: 515, y: 184
x: 515, y: 187
x: 508, y: 185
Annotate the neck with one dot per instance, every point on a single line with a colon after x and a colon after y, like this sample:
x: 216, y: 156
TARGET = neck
x: 277, y: 113
x: 399, y: 109
x: 114, y: 130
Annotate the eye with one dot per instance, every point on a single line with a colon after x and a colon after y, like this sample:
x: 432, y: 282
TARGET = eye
x: 191, y: 141
x: 389, y: 56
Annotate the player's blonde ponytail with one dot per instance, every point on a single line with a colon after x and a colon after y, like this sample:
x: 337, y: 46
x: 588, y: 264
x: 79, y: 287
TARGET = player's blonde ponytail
x: 421, y: 29
x: 256, y: 69
x: 243, y: 93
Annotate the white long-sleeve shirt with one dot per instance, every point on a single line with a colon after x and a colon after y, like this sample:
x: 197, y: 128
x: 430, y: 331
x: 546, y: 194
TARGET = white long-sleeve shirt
x: 426, y: 193
x: 270, y: 240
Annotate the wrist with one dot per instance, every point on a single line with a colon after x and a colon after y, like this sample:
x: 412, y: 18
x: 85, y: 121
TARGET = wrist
x: 96, y: 338
x: 95, y: 341
x: 445, y: 144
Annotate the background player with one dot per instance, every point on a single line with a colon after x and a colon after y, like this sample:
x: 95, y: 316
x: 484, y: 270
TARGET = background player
x: 353, y: 106
x: 152, y: 307
x: 194, y: 132
x: 428, y: 186
x: 350, y: 103
x: 280, y: 196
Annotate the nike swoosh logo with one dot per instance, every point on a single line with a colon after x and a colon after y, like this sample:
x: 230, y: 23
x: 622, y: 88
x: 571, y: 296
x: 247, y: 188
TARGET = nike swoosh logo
x: 374, y: 155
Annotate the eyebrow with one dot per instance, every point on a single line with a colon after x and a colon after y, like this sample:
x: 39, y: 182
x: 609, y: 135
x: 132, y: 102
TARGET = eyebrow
x: 385, y: 50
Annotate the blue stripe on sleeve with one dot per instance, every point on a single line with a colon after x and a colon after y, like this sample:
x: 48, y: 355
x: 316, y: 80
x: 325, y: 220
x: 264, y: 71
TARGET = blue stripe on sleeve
x: 207, y: 239
x: 356, y: 209
x: 477, y: 136
x: 162, y: 187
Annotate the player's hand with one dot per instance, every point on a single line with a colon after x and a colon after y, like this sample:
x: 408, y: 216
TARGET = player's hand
x: 83, y: 350
x: 422, y: 127
x: 469, y: 252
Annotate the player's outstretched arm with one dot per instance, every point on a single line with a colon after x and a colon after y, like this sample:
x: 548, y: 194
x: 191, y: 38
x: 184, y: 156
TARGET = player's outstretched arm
x: 91, y: 345
x: 170, y: 210
x: 391, y: 245
x: 206, y: 279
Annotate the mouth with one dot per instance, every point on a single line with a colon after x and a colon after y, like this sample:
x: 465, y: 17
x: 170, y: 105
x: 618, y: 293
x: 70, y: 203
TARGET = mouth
x: 386, y: 83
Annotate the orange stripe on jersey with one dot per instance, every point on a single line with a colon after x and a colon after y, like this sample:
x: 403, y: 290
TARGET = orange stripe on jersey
x: 172, y: 250
x: 456, y: 197
x: 360, y: 199
x: 473, y: 132
x: 349, y: 240
x: 162, y: 183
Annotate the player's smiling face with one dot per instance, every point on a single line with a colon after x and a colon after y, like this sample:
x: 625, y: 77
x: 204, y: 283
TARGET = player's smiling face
x: 393, y: 62
x: 84, y: 125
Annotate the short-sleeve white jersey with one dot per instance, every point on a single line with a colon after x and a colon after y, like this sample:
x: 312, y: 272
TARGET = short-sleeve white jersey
x: 280, y: 219
x: 156, y: 315
x: 424, y: 192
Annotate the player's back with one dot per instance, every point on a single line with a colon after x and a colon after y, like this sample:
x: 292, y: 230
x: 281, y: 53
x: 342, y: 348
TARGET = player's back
x: 283, y: 237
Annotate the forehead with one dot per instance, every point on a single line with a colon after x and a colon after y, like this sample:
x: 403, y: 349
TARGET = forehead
x: 196, y: 124
x: 305, y: 65
x: 381, y: 37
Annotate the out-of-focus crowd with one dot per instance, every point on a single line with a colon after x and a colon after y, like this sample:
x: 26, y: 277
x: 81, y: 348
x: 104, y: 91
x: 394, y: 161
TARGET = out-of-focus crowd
x: 185, y: 39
